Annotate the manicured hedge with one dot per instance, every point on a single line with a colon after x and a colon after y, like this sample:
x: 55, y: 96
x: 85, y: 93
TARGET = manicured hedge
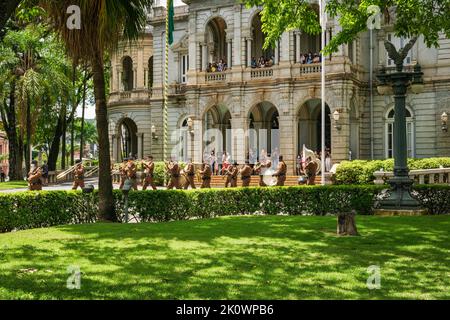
x: 34, y: 210
x: 361, y: 171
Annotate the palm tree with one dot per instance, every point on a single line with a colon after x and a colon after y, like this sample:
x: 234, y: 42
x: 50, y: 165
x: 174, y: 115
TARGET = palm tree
x: 103, y: 24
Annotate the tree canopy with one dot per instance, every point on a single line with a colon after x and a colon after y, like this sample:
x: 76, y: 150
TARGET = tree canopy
x: 410, y: 18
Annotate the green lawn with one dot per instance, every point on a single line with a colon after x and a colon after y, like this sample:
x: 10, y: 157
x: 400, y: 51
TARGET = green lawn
x: 13, y: 185
x: 265, y: 257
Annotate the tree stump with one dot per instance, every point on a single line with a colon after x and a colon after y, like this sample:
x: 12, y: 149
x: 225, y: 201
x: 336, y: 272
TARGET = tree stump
x: 346, y: 225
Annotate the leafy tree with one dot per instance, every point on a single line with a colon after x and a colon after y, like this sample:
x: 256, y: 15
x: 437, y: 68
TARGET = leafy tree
x: 7, y: 10
x: 411, y: 18
x: 103, y: 24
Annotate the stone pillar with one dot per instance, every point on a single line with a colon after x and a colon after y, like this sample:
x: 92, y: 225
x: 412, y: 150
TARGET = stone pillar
x: 119, y: 79
x: 229, y: 53
x: 114, y: 143
x: 297, y: 46
x: 236, y: 47
x: 249, y: 52
x: 140, y: 138
x: 238, y: 138
x: 139, y: 84
x: 204, y: 56
x: 340, y: 139
x: 288, y: 129
x: 284, y: 56
x: 197, y: 140
x: 277, y: 52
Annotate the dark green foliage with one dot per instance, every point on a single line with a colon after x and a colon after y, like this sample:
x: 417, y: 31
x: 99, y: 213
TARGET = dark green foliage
x: 35, y: 210
x: 361, y: 171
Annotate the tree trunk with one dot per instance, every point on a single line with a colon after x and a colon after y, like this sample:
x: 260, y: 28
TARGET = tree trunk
x: 83, y: 115
x: 28, y: 138
x: 72, y: 128
x: 54, y: 147
x: 9, y: 120
x: 63, y: 138
x: 346, y: 224
x: 106, y: 199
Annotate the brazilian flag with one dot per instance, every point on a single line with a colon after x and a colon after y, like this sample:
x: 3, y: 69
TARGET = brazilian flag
x: 170, y: 15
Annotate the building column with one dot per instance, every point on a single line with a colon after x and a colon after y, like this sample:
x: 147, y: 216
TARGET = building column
x: 140, y: 144
x: 298, y: 48
x: 249, y: 52
x: 114, y: 143
x: 239, y: 140
x: 204, y: 56
x: 229, y: 53
x: 196, y: 152
x: 119, y: 79
x: 288, y: 148
x: 277, y: 52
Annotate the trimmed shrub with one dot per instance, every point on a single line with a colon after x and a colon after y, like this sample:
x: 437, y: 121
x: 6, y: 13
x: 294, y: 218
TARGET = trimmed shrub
x: 27, y: 210
x: 361, y: 171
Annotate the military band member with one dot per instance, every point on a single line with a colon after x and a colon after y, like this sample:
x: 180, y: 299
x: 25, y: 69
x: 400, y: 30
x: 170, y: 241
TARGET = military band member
x: 149, y: 168
x: 131, y: 171
x: 206, y: 174
x: 228, y: 172
x: 174, y: 172
x: 280, y: 174
x: 189, y: 175
x: 34, y: 177
x: 123, y: 172
x: 78, y: 180
x: 310, y: 171
x: 246, y: 174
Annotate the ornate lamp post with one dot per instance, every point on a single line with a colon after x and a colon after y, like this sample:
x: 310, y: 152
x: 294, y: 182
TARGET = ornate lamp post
x: 399, y: 81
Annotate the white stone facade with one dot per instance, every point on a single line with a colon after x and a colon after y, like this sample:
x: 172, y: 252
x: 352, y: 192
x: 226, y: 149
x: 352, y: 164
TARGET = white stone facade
x: 284, y: 97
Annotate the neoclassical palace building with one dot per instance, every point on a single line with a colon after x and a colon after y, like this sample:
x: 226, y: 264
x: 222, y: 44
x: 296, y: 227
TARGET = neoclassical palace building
x: 221, y: 98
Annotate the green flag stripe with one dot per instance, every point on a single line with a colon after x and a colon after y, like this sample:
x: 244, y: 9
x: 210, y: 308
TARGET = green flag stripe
x: 170, y: 16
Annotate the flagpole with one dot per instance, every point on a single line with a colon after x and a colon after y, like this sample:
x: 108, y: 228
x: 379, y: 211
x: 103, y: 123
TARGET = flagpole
x: 323, y: 27
x: 166, y: 88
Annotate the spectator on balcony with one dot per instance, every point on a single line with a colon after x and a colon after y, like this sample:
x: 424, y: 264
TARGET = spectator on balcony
x: 316, y: 58
x: 302, y: 58
x: 209, y: 67
x: 254, y: 63
x: 269, y: 63
x: 309, y: 58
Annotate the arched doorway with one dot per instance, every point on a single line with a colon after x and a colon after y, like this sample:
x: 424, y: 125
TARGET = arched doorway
x: 216, y: 40
x: 263, y: 136
x: 128, y: 145
x: 216, y: 125
x: 127, y: 74
x: 259, y: 38
x: 309, y: 120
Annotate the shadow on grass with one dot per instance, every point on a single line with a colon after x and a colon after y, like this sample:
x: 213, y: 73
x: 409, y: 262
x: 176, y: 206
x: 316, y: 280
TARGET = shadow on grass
x: 235, y: 258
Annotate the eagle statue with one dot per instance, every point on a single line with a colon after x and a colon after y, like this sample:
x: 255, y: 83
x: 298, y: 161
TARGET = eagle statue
x: 399, y: 56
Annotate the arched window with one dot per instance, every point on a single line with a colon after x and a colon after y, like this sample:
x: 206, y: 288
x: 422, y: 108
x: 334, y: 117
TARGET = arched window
x: 127, y: 74
x: 410, y: 141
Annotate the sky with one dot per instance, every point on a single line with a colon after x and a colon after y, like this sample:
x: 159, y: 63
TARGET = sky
x: 90, y: 109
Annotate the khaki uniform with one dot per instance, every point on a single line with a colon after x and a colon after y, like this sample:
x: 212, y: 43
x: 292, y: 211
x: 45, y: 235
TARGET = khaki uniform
x: 206, y: 176
x: 123, y: 174
x: 131, y: 171
x: 34, y: 180
x: 174, y: 181
x: 281, y: 173
x: 189, y: 175
x: 246, y: 175
x: 310, y: 171
x: 231, y: 170
x: 148, y: 180
x: 78, y: 177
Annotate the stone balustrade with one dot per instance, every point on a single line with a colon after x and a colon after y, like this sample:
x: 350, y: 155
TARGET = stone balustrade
x: 426, y: 176
x: 261, y: 73
x: 215, y: 76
